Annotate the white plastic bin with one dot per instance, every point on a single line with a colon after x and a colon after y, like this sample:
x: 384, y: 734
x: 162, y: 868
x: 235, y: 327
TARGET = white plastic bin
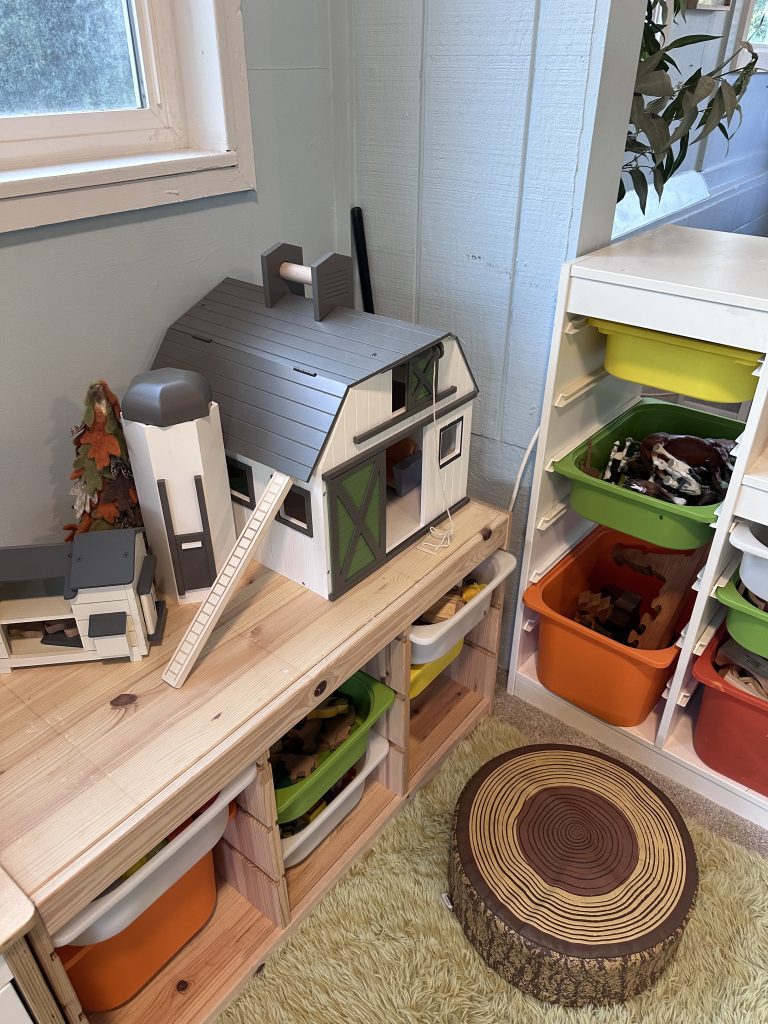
x: 119, y: 907
x: 752, y: 540
x: 296, y: 848
x: 428, y: 643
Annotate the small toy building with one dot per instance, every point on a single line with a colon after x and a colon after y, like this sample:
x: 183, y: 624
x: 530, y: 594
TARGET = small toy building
x: 91, y: 599
x: 371, y: 418
x: 173, y: 433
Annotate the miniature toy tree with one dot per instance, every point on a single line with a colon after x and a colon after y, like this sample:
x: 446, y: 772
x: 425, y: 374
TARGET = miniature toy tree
x: 104, y: 491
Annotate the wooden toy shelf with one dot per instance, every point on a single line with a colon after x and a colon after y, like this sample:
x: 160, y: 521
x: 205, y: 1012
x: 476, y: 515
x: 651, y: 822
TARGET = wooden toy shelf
x: 102, y: 761
x: 697, y: 284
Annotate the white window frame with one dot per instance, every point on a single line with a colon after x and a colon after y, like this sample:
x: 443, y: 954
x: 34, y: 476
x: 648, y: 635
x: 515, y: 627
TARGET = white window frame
x: 744, y: 23
x: 192, y: 139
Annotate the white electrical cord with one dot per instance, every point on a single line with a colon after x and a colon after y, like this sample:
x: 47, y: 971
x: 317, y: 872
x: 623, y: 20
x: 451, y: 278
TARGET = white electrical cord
x: 521, y: 470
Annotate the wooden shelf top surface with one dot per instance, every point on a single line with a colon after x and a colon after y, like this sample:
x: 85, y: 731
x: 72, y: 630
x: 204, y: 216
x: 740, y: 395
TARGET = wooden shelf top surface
x: 99, y: 761
x: 710, y: 265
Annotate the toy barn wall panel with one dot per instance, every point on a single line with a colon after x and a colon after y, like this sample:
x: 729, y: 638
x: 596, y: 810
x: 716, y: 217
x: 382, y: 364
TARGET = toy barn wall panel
x: 285, y: 550
x: 454, y: 474
x: 370, y: 403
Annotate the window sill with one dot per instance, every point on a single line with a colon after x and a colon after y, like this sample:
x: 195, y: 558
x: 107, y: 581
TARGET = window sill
x: 34, y: 196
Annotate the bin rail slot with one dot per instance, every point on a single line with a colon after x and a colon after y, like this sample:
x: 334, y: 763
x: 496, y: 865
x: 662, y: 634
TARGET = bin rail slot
x: 726, y: 574
x: 551, y: 516
x: 687, y: 690
x: 579, y: 387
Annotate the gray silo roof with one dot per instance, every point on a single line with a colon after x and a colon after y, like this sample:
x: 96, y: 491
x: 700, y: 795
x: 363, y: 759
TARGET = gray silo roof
x: 278, y: 375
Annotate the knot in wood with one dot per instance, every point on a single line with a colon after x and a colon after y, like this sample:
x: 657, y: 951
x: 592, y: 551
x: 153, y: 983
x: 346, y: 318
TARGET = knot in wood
x: 320, y: 688
x: 182, y: 986
x: 124, y: 700
x: 486, y: 533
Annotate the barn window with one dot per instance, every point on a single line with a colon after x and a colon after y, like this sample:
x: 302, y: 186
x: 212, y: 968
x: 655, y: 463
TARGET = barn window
x: 451, y: 436
x: 414, y: 382
x: 241, y: 482
x: 297, y: 510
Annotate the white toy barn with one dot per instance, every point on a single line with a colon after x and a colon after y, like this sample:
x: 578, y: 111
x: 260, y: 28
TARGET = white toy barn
x: 370, y: 417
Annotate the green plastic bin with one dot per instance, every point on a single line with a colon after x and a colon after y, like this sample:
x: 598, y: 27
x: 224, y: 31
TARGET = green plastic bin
x: 371, y: 699
x: 660, y: 522
x: 747, y: 624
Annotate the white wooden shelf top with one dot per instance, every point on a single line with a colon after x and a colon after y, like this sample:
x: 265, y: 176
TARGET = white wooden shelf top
x: 713, y: 266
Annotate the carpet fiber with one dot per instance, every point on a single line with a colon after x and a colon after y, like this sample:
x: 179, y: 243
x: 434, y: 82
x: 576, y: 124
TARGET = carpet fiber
x: 381, y: 948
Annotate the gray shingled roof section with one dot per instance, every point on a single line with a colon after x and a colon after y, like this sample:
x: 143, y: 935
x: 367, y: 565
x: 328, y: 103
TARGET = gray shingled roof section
x: 278, y: 376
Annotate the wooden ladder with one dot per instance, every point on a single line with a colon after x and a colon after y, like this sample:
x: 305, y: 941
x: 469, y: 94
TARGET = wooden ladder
x: 209, y: 612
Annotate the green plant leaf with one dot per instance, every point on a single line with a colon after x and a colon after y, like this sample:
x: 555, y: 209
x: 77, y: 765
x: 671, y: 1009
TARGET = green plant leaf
x: 688, y: 41
x: 635, y: 146
x: 641, y: 187
x: 656, y: 83
x: 730, y: 99
x: 713, y: 115
x: 657, y: 131
x: 678, y: 160
x: 704, y: 87
x: 658, y: 180
x: 622, y: 190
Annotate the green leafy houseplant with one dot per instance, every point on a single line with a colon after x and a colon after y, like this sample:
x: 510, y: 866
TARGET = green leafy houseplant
x: 666, y: 114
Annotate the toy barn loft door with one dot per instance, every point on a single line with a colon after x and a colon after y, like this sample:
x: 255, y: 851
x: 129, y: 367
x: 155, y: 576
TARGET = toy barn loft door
x: 357, y: 504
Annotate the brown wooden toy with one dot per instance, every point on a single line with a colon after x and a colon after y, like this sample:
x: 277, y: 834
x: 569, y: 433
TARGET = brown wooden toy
x: 336, y: 731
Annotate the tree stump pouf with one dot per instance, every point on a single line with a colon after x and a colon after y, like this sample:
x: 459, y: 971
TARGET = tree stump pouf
x: 571, y: 875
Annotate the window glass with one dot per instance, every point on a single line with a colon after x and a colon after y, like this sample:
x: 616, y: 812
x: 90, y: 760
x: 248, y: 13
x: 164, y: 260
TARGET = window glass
x: 67, y: 56
x: 241, y: 482
x: 758, y: 29
x: 450, y: 441
x: 296, y: 507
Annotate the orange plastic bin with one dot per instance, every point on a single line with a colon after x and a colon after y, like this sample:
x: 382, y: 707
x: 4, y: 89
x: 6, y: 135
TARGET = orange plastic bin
x: 115, y: 944
x: 107, y: 974
x: 731, y: 731
x: 610, y: 680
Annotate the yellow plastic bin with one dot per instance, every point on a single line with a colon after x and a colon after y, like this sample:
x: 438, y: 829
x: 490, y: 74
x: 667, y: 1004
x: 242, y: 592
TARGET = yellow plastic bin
x: 423, y: 675
x: 699, y: 369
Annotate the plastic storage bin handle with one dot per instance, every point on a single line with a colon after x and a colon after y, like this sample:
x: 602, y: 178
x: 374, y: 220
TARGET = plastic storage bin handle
x: 744, y: 540
x: 109, y: 914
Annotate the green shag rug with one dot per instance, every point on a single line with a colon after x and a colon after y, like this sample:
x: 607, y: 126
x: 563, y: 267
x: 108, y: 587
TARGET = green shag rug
x: 382, y: 948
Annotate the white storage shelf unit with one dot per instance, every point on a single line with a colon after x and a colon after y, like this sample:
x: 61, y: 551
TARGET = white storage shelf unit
x: 700, y: 284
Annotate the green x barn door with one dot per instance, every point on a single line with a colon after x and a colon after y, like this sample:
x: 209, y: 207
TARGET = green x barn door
x: 421, y: 377
x: 356, y: 500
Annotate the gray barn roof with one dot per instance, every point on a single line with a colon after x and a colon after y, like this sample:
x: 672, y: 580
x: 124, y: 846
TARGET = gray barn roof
x: 279, y: 376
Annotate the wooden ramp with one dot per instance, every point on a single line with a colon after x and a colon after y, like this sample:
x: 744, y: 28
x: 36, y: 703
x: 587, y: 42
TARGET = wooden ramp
x: 209, y: 612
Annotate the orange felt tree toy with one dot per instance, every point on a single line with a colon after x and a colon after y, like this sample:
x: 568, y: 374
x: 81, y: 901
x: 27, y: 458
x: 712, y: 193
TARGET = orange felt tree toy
x: 104, y: 491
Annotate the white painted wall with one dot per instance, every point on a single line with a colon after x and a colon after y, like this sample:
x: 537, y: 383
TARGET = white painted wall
x: 93, y: 299
x: 479, y: 172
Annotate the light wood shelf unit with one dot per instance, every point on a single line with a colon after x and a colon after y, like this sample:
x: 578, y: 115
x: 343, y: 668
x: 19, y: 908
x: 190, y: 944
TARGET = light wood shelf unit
x: 310, y: 880
x: 205, y: 975
x: 445, y: 712
x: 278, y: 652
x: 699, y: 284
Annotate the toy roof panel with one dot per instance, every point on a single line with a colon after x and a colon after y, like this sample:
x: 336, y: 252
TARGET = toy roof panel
x: 278, y: 376
x: 103, y: 558
x: 34, y: 562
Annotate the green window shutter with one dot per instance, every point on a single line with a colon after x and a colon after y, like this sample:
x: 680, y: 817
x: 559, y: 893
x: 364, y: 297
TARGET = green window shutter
x: 421, y: 377
x: 356, y: 521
